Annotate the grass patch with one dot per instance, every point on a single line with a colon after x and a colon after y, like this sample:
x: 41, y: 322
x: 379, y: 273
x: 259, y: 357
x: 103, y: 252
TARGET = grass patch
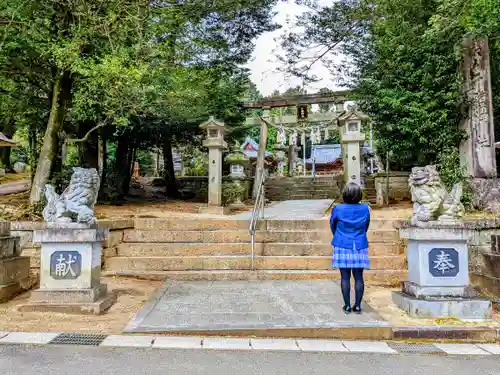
x: 13, y: 177
x: 14, y: 207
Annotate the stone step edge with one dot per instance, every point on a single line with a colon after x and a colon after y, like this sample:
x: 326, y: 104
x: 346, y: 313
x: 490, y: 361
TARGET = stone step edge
x: 296, y: 230
x: 387, y: 343
x: 248, y: 256
x: 142, y: 249
x: 389, y: 278
x: 183, y: 242
x: 243, y: 272
x: 236, y: 219
x: 325, y: 244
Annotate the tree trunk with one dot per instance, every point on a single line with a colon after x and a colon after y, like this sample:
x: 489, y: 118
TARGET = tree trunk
x: 60, y: 95
x: 57, y: 165
x: 130, y: 167
x: 88, y: 151
x: 103, y: 162
x: 33, y: 152
x: 121, y: 165
x: 171, y: 189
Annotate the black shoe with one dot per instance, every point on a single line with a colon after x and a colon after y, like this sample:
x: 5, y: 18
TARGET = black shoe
x: 347, y: 309
x: 357, y: 310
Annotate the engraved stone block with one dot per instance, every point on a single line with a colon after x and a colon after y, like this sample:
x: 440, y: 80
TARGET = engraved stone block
x: 444, y: 262
x: 65, y: 265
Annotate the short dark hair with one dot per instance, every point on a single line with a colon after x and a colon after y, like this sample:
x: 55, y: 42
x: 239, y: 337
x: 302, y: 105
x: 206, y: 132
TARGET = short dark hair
x: 352, y: 193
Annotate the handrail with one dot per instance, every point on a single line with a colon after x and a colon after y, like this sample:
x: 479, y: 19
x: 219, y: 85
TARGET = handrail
x: 258, y: 211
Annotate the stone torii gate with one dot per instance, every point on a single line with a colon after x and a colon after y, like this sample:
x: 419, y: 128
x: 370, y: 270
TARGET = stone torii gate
x: 301, y: 102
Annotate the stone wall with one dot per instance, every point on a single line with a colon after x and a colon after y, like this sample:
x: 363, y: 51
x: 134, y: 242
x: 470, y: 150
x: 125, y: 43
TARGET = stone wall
x: 484, y: 257
x: 24, y: 230
x: 198, y: 186
x: 296, y: 188
x: 398, y: 186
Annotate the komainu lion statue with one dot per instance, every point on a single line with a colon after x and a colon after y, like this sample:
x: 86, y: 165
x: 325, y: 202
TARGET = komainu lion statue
x: 430, y: 199
x: 76, y: 203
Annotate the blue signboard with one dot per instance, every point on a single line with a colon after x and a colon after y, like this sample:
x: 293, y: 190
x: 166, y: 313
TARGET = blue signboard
x: 65, y: 265
x: 444, y: 262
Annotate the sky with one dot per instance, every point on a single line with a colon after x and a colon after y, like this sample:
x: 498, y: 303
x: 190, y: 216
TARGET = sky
x: 264, y: 64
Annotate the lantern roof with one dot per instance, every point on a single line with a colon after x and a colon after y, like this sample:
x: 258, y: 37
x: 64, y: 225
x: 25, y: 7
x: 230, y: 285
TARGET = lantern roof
x: 7, y: 142
x: 212, y: 123
x: 351, y: 114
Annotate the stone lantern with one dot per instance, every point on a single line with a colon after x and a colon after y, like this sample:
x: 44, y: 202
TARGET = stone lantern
x: 237, y: 163
x: 281, y: 158
x: 215, y: 143
x: 352, y: 140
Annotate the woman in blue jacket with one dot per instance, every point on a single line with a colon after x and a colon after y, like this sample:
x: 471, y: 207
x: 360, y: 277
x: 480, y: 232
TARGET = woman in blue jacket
x: 349, y: 223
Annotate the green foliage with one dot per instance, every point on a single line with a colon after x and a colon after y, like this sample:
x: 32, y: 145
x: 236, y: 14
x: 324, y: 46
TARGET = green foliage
x: 403, y: 60
x: 451, y: 172
x: 151, y: 70
x: 146, y: 162
x: 111, y: 191
x: 413, y: 91
x: 60, y: 180
x: 19, y: 154
x: 195, y: 162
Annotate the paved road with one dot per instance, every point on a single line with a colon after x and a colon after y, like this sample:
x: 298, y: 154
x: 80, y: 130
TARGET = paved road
x: 14, y: 187
x: 80, y: 360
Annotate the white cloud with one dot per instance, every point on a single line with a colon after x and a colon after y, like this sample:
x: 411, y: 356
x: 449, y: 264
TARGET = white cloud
x: 264, y: 64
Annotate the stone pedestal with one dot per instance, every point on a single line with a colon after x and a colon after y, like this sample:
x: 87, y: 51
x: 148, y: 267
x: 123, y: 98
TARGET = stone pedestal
x: 70, y: 271
x: 352, y: 157
x: 438, y: 275
x: 214, y: 210
x: 14, y: 269
x: 215, y: 144
x: 352, y: 139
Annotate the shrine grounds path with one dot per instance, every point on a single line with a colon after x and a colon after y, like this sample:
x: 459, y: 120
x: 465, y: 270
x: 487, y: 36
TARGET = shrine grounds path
x: 80, y: 360
x: 14, y: 187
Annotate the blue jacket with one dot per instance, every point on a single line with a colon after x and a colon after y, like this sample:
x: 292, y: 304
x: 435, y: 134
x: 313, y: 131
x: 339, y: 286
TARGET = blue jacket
x: 349, y: 224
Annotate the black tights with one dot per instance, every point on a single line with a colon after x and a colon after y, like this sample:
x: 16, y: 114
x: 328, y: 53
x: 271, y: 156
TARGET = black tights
x: 345, y: 285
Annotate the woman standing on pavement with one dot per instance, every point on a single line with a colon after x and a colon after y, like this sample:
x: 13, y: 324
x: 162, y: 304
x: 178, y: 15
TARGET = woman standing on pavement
x: 349, y: 223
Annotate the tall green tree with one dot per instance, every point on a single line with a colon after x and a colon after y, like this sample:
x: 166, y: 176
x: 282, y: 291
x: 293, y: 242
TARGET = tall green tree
x: 110, y: 67
x: 403, y: 59
x: 59, y: 40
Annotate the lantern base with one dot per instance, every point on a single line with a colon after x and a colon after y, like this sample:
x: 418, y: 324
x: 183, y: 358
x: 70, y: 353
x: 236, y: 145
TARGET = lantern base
x: 214, y: 210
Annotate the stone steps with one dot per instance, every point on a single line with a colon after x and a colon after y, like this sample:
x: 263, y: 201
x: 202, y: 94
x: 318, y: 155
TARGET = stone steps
x: 241, y: 248
x: 372, y: 277
x: 213, y: 249
x: 237, y: 224
x: 189, y: 263
x: 231, y: 236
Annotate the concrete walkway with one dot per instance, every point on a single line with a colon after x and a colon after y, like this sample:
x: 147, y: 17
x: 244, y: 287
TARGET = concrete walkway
x: 293, y: 210
x: 248, y: 305
x: 14, y: 187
